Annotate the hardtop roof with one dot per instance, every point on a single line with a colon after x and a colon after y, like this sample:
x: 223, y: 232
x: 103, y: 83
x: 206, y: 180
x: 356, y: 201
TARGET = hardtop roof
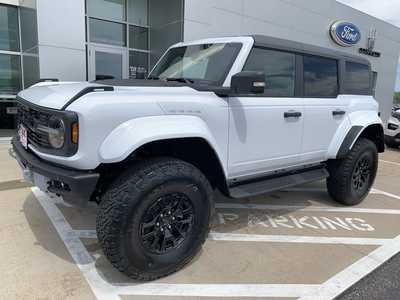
x: 288, y: 45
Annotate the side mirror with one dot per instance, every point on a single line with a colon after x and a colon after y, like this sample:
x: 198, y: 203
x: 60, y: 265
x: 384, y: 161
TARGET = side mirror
x: 248, y: 82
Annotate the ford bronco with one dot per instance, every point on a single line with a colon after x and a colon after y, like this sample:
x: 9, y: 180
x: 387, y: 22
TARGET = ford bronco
x: 245, y: 115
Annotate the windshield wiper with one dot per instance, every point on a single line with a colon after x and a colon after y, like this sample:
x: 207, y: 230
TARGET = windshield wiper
x: 181, y: 79
x: 153, y: 78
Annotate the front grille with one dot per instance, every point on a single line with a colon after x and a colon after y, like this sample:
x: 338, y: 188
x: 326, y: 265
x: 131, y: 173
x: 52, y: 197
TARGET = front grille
x: 33, y: 120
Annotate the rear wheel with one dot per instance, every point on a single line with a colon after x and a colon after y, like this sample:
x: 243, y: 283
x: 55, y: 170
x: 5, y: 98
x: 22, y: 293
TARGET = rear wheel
x: 154, y: 219
x: 351, y: 178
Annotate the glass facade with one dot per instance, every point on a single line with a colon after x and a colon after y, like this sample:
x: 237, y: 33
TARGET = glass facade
x: 10, y: 74
x: 9, y: 28
x: 107, y: 9
x: 106, y: 32
x: 127, y: 25
x: 19, y: 60
x: 138, y: 12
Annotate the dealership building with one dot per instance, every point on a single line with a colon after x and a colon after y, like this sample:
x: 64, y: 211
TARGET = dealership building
x: 78, y: 40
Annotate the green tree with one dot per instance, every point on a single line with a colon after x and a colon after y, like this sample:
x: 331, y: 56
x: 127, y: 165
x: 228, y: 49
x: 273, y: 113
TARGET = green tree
x: 397, y: 97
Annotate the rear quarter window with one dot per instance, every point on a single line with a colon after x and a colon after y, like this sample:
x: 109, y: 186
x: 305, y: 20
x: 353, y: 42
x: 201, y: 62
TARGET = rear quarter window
x: 320, y: 77
x: 357, y: 79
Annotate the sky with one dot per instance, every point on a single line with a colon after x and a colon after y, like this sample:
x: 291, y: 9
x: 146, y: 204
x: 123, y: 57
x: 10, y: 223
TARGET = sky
x: 388, y: 10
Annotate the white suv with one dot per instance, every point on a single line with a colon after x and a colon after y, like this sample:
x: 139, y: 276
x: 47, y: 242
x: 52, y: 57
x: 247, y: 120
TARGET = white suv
x: 392, y: 130
x: 245, y: 115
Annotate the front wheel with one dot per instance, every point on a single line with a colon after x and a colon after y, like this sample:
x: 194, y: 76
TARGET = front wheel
x: 351, y: 178
x: 155, y: 218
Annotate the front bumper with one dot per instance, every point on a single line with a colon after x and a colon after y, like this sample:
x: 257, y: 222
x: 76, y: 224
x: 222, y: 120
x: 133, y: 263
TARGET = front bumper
x: 75, y: 186
x: 393, y: 139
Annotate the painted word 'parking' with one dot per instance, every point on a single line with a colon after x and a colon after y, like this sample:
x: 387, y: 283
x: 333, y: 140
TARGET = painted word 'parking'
x: 304, y: 222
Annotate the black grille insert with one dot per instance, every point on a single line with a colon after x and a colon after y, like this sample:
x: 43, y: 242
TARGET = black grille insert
x: 33, y: 120
x: 36, y: 120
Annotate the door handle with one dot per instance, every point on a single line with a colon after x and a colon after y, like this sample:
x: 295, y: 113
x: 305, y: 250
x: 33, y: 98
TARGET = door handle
x: 338, y: 113
x: 292, y: 114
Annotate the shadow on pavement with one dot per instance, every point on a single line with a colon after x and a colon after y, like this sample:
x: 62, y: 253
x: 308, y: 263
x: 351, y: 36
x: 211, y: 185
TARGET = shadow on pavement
x: 43, y: 230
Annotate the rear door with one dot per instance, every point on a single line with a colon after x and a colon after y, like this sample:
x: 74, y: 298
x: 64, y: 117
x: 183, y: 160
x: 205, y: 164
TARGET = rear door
x: 265, y: 131
x: 324, y: 109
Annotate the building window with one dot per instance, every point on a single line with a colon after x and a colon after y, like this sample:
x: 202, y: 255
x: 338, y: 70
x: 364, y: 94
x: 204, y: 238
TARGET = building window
x: 138, y: 37
x: 138, y: 64
x: 320, y: 77
x: 374, y: 82
x: 106, y: 32
x: 10, y: 74
x: 107, y: 9
x: 279, y: 69
x: 29, y: 34
x: 138, y: 11
x: 108, y: 66
x: 30, y: 64
x: 9, y: 29
x: 358, y: 79
x: 139, y: 29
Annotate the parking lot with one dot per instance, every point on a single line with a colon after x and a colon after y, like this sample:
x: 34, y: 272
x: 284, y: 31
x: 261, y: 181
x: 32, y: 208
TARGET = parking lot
x: 288, y: 245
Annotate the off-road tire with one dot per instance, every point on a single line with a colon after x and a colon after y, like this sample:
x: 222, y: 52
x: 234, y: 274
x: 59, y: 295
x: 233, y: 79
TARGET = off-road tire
x: 343, y: 171
x: 128, y: 199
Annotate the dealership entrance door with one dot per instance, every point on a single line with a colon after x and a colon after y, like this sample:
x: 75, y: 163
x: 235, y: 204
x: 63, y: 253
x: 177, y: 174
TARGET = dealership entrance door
x: 107, y: 63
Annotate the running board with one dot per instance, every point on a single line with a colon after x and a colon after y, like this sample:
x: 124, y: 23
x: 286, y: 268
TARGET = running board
x: 264, y: 186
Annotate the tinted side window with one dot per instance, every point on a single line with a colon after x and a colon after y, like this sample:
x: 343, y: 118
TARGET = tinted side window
x: 374, y: 82
x: 357, y: 79
x: 279, y: 69
x: 320, y: 77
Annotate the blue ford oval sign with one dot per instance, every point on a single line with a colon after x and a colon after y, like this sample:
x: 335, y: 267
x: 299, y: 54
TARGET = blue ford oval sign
x: 345, y: 34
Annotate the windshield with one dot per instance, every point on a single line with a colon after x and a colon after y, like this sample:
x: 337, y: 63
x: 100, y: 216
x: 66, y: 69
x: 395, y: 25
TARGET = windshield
x: 207, y: 63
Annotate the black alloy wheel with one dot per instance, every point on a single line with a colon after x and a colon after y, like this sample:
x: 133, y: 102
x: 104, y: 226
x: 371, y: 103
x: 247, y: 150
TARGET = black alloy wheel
x: 362, y: 173
x: 166, y: 223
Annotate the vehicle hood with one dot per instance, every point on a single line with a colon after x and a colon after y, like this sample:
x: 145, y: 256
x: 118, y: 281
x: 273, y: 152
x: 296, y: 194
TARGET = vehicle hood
x: 54, y: 95
x: 57, y: 95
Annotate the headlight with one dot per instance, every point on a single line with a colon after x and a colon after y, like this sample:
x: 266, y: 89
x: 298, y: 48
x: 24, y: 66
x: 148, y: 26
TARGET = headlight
x: 56, y: 132
x: 393, y: 126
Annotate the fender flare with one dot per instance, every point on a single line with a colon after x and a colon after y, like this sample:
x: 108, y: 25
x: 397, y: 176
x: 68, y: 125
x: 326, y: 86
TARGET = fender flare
x: 350, y: 131
x: 349, y: 140
x: 355, y: 133
x: 133, y: 134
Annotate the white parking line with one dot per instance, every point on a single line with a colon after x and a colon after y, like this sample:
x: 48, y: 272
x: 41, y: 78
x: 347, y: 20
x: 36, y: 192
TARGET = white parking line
x: 330, y: 289
x: 5, y: 140
x: 339, y: 283
x: 235, y: 237
x: 220, y: 290
x: 379, y: 192
x: 307, y: 209
x: 80, y: 255
x: 390, y: 162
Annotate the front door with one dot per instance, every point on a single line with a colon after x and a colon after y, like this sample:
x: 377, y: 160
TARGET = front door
x: 108, y: 63
x: 266, y: 131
